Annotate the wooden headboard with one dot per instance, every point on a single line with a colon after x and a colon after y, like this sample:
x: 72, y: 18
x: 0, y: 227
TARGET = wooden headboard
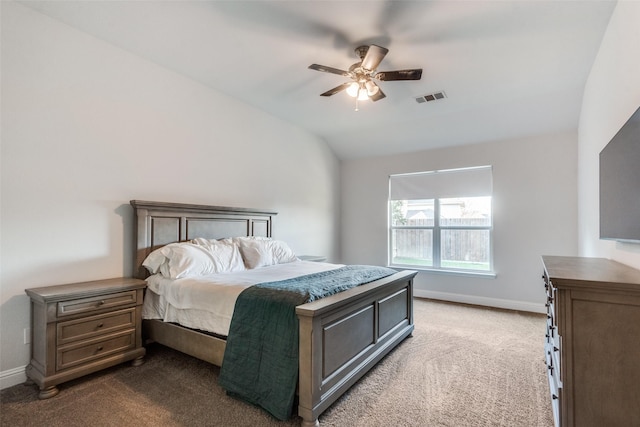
x: 160, y: 223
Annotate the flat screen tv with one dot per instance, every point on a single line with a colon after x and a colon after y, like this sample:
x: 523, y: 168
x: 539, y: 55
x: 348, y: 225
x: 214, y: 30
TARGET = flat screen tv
x: 620, y: 184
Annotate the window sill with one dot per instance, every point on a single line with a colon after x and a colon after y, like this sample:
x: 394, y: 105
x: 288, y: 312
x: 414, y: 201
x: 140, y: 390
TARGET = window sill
x: 483, y: 274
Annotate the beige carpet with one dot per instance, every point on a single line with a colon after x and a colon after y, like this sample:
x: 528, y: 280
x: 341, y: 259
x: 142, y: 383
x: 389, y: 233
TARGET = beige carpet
x: 464, y: 366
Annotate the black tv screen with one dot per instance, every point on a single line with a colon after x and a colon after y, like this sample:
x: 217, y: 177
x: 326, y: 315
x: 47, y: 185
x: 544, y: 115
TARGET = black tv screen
x: 620, y: 184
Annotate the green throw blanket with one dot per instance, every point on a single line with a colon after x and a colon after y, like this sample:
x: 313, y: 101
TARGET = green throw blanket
x: 260, y: 362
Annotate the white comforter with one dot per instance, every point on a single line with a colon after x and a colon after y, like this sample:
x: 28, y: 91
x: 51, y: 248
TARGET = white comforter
x: 207, y: 302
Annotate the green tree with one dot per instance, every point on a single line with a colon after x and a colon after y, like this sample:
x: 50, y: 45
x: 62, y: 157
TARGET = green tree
x: 397, y: 216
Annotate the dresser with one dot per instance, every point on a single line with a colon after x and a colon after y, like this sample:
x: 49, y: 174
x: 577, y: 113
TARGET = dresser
x: 80, y: 328
x: 592, y: 343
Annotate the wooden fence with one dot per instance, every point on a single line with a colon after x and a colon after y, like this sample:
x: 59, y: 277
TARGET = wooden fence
x: 470, y: 245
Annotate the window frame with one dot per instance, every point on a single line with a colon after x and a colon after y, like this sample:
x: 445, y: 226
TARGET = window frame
x: 436, y: 230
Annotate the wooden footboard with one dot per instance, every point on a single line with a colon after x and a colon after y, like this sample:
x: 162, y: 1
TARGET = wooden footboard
x: 343, y: 336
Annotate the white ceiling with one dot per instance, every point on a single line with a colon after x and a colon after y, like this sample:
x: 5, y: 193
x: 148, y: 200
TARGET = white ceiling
x: 509, y: 68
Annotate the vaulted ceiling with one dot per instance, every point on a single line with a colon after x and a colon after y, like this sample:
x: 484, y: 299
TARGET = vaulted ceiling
x: 508, y: 69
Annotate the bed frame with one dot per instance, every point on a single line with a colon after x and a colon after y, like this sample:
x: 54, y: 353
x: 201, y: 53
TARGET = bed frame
x: 341, y: 336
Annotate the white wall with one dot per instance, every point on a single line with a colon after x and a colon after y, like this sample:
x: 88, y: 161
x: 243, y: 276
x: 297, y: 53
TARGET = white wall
x: 534, y: 204
x: 611, y: 96
x: 86, y: 127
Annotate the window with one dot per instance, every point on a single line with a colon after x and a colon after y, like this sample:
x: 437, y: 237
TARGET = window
x: 441, y: 220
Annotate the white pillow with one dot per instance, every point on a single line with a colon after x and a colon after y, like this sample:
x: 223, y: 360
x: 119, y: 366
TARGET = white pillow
x: 225, y: 252
x: 156, y: 259
x: 197, y: 259
x: 262, y: 251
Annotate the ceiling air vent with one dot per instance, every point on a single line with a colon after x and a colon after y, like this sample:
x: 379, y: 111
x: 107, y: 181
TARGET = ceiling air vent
x: 431, y: 97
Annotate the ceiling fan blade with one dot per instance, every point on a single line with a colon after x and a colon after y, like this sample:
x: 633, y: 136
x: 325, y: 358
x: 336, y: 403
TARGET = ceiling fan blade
x: 386, y: 76
x: 374, y: 56
x: 378, y: 95
x: 336, y: 89
x: 326, y: 69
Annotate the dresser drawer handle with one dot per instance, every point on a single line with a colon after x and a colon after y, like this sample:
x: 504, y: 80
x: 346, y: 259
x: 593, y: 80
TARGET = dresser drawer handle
x: 100, y: 325
x: 99, y: 349
x: 554, y: 397
x: 101, y: 302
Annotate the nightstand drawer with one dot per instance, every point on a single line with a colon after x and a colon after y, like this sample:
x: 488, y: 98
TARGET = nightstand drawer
x: 87, y: 305
x: 86, y: 351
x: 101, y: 324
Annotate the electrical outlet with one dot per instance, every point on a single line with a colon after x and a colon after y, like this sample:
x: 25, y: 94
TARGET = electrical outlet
x: 27, y: 335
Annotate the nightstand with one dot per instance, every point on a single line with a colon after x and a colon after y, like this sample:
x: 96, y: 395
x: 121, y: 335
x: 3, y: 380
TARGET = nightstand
x: 315, y: 258
x: 80, y: 328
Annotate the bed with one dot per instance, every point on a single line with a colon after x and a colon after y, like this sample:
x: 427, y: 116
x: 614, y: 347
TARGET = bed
x: 341, y: 336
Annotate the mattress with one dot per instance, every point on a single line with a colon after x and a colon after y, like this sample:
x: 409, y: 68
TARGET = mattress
x: 206, y: 302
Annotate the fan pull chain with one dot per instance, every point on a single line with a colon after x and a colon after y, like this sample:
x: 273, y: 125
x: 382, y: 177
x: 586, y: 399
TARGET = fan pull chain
x: 357, y: 103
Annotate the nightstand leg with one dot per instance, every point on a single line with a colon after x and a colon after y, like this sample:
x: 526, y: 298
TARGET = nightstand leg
x: 46, y: 393
x: 137, y: 361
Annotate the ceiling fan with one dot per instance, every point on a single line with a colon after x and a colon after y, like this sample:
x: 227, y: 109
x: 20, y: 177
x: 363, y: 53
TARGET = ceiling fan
x: 364, y: 73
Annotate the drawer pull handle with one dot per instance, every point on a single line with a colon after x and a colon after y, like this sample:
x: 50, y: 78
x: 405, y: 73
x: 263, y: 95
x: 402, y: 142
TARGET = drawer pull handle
x: 100, y: 325
x: 99, y: 349
x: 101, y: 302
x: 554, y: 397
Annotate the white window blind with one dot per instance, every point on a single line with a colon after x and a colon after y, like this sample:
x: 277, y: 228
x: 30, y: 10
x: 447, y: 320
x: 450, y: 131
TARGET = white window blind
x: 467, y: 182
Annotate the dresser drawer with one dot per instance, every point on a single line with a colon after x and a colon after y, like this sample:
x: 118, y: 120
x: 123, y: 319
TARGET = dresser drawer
x: 102, y: 302
x: 553, y: 366
x: 87, y: 351
x: 89, y: 327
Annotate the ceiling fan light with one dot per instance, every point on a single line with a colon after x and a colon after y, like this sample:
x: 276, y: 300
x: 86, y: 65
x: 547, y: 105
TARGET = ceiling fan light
x: 362, y: 95
x: 372, y: 88
x: 353, y: 89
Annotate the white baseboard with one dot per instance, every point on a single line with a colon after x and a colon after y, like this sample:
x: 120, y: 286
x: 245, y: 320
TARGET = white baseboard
x: 476, y: 300
x: 12, y: 377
